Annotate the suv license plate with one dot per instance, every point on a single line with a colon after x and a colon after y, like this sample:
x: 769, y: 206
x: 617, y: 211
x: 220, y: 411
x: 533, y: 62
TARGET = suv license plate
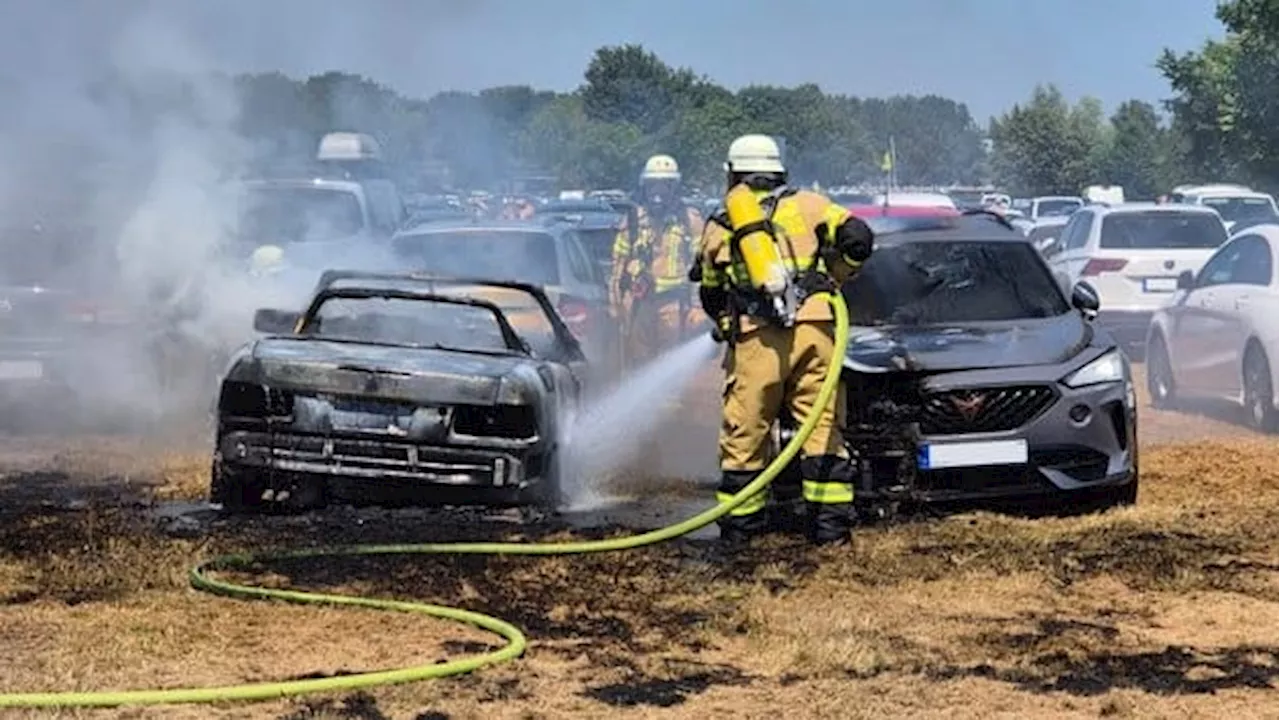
x: 21, y: 370
x: 931, y: 456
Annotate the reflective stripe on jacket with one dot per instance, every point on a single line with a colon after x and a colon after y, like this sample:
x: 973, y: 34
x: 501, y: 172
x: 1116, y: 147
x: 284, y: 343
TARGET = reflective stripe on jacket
x: 795, y: 217
x: 670, y: 254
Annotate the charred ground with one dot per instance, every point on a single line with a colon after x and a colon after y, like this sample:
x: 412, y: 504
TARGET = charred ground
x: 1168, y: 608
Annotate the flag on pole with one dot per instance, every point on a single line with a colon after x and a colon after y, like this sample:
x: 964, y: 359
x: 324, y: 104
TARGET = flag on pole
x: 886, y: 162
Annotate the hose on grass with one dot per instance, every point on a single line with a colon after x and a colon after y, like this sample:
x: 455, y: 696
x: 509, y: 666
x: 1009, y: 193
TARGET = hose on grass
x: 201, y: 577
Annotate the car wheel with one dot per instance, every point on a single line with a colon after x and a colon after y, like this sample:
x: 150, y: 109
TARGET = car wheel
x: 237, y: 491
x: 1260, y: 411
x: 1160, y: 375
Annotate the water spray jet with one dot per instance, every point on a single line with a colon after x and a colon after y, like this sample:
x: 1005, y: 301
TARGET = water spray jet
x: 613, y: 430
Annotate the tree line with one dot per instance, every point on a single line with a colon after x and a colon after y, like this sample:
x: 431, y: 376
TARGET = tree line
x: 630, y: 105
x: 1219, y: 124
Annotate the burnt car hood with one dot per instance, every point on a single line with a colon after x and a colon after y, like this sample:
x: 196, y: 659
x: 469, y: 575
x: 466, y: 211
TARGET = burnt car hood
x: 422, y: 375
x: 967, y: 346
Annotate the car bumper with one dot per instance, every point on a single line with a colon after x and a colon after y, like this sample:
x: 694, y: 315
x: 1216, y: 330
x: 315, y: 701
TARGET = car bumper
x: 1064, y: 455
x: 1128, y: 327
x: 375, y: 461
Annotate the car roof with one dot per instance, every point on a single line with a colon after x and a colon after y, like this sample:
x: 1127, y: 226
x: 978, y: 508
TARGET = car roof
x: 1136, y: 207
x: 1270, y: 231
x: 868, y: 211
x: 318, y: 182
x: 457, y: 225
x: 976, y: 227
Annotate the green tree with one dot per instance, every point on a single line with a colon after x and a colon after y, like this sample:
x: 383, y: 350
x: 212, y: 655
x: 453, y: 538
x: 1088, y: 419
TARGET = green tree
x: 1047, y: 147
x: 1137, y: 157
x: 1206, y: 110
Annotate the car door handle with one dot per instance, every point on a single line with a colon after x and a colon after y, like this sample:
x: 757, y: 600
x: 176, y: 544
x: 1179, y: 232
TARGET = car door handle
x: 1242, y: 303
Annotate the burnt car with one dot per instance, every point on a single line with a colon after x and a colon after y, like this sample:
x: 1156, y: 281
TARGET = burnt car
x: 972, y: 375
x: 396, y: 390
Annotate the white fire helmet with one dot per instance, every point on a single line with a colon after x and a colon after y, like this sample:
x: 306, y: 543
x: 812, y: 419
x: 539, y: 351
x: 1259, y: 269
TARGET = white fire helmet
x: 754, y: 154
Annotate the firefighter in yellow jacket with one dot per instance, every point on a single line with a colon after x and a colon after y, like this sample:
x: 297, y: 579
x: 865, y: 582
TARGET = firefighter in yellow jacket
x: 780, y: 338
x: 652, y: 255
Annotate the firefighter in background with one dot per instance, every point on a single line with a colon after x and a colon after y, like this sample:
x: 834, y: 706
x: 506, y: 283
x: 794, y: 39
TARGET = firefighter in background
x: 652, y: 255
x: 763, y: 255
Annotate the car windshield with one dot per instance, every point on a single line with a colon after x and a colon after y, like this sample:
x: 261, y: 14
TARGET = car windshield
x: 281, y: 215
x: 409, y: 323
x: 1162, y: 230
x: 945, y: 282
x: 1055, y: 208
x: 498, y: 254
x: 1242, y: 209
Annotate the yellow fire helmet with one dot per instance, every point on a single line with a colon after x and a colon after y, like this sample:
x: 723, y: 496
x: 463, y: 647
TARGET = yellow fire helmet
x: 660, y: 167
x: 266, y: 260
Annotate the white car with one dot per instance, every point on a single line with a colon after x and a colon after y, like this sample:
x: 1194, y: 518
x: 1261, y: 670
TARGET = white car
x: 1043, y: 233
x: 1049, y: 206
x: 1132, y: 255
x: 1217, y: 338
x: 1236, y: 204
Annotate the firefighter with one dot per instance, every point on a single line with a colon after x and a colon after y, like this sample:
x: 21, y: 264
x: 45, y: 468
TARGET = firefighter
x: 778, y: 350
x: 652, y: 254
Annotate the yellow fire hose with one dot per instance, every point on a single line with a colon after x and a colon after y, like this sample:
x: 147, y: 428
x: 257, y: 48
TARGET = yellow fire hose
x: 516, y: 641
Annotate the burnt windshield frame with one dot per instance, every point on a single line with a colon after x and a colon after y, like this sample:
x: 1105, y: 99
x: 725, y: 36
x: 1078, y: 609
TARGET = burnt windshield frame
x: 948, y: 282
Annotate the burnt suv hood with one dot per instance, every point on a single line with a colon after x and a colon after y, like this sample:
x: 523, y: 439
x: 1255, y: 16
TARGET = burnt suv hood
x: 424, y: 375
x: 967, y: 346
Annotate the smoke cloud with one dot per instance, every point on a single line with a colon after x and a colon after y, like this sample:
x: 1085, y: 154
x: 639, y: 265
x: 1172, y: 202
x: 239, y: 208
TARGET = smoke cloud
x: 121, y: 195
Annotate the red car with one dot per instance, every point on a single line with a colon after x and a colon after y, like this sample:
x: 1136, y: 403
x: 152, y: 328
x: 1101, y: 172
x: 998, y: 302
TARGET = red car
x: 897, y: 211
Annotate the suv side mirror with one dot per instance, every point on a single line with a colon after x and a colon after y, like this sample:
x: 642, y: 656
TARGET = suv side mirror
x: 1084, y: 297
x: 1186, y: 280
x: 275, y: 322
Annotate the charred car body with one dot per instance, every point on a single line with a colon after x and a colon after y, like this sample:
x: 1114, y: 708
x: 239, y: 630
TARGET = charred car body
x: 396, y: 389
x: 971, y: 375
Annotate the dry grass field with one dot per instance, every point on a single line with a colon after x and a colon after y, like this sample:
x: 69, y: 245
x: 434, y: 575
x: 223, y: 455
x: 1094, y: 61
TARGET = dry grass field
x: 1163, y: 610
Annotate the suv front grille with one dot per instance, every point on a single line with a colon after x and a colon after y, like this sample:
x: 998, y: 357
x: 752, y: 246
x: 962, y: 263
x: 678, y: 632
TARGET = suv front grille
x: 982, y: 410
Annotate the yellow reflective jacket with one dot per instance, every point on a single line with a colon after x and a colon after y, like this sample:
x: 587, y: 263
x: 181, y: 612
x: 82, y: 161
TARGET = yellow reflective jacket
x: 670, y: 250
x: 795, y: 216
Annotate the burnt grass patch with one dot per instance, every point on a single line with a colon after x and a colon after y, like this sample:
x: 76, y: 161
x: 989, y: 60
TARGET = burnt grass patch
x: 1172, y: 671
x: 669, y: 686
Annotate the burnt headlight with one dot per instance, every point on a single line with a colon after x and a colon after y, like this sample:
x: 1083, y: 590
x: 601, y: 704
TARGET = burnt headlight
x: 251, y: 400
x: 513, y: 422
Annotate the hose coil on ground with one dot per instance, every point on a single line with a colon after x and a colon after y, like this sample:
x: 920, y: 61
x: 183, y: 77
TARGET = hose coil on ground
x: 201, y: 579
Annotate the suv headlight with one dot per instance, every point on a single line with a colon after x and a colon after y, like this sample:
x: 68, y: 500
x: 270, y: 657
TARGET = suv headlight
x: 1110, y: 367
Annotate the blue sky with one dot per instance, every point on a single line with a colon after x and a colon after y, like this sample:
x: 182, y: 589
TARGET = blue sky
x: 985, y: 53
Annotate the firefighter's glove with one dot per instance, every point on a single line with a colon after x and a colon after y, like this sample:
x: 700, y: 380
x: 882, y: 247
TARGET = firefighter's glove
x: 723, y: 329
x: 695, y: 273
x: 854, y: 239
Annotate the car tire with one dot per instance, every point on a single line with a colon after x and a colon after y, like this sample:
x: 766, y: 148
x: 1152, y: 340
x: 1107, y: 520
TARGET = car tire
x: 238, y: 492
x: 1259, y: 410
x: 1160, y: 384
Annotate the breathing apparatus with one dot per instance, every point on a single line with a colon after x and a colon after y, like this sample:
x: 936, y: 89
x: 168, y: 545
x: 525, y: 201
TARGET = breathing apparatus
x: 755, y: 241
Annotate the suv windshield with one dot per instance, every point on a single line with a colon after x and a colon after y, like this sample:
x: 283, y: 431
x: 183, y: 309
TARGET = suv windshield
x: 281, y: 215
x: 1162, y: 230
x: 519, y: 255
x: 412, y: 323
x: 1242, y: 209
x: 943, y: 282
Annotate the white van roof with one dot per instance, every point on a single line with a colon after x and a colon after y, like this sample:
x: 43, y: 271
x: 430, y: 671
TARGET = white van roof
x: 348, y: 146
